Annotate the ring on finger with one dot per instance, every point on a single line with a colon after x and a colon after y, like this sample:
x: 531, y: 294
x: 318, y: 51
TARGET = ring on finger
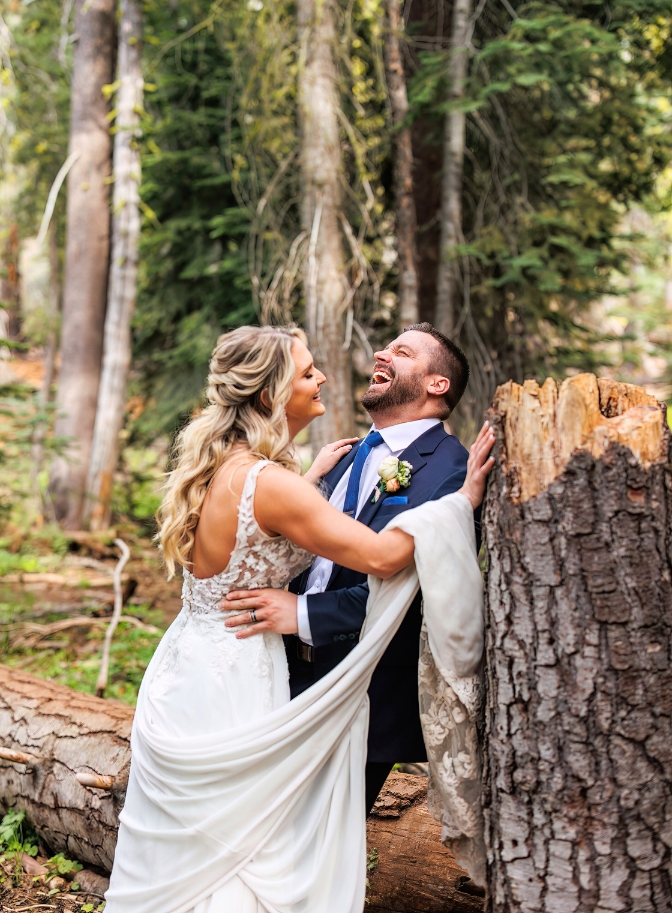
x: 253, y: 617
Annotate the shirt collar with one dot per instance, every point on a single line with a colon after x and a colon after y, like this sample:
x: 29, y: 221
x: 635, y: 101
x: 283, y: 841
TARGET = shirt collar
x: 399, y: 437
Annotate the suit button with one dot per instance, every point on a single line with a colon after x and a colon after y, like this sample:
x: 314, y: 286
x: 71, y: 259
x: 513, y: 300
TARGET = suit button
x: 352, y: 636
x: 343, y: 636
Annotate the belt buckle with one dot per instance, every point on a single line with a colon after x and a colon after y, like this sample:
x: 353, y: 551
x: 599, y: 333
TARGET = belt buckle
x: 305, y: 652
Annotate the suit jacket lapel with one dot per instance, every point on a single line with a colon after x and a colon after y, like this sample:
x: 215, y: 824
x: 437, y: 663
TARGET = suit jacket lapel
x: 415, y: 453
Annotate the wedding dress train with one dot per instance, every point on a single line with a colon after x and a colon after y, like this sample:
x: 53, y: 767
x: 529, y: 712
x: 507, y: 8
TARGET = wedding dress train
x: 240, y: 801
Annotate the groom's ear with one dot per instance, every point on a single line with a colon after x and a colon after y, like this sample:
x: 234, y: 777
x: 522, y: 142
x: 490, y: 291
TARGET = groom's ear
x: 437, y: 385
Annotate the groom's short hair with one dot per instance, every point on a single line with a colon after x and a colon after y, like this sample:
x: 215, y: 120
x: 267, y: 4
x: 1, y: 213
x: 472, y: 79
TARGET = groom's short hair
x: 451, y: 362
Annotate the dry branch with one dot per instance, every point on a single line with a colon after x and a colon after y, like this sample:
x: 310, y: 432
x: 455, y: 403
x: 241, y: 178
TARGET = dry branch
x: 101, y: 684
x: 27, y: 635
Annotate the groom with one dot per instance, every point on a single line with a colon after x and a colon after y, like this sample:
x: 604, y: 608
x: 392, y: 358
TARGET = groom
x: 417, y: 382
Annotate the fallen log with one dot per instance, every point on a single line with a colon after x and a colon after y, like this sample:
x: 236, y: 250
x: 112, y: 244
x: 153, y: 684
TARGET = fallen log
x: 578, y: 742
x: 410, y: 871
x: 65, y: 756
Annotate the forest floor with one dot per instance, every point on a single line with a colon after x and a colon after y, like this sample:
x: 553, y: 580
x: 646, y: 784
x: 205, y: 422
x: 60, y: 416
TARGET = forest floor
x: 54, y: 610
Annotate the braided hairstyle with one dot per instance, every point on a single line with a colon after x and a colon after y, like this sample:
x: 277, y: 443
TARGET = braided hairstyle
x: 245, y: 364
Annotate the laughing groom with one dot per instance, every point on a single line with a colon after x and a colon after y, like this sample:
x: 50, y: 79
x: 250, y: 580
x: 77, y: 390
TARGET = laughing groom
x: 417, y: 382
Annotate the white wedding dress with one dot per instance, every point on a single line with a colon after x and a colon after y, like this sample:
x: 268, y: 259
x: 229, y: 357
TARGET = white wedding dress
x: 240, y: 801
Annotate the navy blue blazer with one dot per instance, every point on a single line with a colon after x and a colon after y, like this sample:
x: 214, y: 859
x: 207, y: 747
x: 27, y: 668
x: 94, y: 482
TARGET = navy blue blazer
x: 336, y: 616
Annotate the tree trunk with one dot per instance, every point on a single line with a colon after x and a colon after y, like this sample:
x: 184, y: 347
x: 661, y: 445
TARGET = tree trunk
x: 448, y: 285
x: 578, y: 742
x: 63, y: 742
x: 44, y: 394
x: 123, y: 271
x: 406, y: 222
x: 86, y: 254
x: 325, y: 281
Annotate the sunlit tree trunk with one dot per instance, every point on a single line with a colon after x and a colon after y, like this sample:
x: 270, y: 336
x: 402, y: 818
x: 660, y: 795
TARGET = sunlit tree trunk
x: 406, y: 222
x: 448, y: 287
x: 44, y: 395
x: 123, y: 270
x: 325, y: 281
x: 86, y: 255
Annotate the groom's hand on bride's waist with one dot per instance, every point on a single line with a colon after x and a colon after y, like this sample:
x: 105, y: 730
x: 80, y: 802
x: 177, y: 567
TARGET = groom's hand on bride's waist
x: 274, y: 610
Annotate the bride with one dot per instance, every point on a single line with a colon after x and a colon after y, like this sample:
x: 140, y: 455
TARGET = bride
x: 238, y: 801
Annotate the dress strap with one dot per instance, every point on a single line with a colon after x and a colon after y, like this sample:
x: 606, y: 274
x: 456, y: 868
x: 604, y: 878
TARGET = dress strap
x: 246, y: 519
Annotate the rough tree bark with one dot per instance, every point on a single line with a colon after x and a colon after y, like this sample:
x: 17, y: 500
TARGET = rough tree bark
x: 123, y: 271
x: 406, y: 221
x: 324, y: 278
x: 86, y: 254
x: 71, y: 760
x: 64, y: 758
x: 448, y: 286
x: 578, y: 742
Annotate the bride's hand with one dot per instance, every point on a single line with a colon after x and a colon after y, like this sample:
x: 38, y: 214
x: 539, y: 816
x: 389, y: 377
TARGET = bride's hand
x: 478, y: 466
x: 327, y: 458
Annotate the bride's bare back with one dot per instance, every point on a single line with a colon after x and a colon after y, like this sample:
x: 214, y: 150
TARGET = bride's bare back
x: 215, y: 536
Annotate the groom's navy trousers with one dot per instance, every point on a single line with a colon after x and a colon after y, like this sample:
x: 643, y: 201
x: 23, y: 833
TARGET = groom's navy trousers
x: 336, y: 616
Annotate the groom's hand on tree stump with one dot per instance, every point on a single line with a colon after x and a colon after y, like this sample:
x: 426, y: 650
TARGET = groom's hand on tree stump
x: 274, y: 610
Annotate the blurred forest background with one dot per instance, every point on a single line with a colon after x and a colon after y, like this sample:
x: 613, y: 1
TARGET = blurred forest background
x: 170, y: 169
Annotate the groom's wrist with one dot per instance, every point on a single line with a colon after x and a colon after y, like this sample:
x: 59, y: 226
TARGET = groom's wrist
x: 303, y: 620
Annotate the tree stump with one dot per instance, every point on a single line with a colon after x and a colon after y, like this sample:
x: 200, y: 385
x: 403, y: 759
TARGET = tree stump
x: 578, y: 743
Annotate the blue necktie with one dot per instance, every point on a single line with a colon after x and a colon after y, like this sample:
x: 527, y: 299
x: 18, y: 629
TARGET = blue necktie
x: 372, y: 440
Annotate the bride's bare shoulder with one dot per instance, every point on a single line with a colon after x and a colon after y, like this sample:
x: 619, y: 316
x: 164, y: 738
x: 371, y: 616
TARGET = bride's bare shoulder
x: 229, y: 479
x: 278, y: 482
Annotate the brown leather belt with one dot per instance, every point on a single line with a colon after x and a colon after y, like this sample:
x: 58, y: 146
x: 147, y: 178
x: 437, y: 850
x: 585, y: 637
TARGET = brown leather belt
x: 305, y: 651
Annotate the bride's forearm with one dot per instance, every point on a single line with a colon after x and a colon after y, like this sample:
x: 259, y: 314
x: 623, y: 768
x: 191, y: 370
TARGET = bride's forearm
x: 394, y: 550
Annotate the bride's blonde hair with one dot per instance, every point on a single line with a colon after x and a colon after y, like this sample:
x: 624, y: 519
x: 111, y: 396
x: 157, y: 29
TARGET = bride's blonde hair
x: 245, y: 364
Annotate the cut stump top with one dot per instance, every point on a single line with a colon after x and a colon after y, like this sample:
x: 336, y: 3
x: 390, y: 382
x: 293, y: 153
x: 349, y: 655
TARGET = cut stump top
x: 543, y: 426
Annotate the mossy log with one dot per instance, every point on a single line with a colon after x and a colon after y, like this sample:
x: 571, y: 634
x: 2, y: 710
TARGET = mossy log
x: 578, y: 743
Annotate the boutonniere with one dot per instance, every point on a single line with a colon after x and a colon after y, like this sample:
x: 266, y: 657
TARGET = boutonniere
x: 394, y: 474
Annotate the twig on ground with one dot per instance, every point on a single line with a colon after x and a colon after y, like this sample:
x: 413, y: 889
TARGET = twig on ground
x: 101, y: 684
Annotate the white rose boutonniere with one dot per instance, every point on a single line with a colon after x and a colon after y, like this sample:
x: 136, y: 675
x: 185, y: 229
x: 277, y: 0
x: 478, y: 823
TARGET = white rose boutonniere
x: 394, y: 474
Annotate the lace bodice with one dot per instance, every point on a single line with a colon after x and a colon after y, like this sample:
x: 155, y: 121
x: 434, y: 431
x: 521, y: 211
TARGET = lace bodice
x: 257, y: 560
x: 199, y: 644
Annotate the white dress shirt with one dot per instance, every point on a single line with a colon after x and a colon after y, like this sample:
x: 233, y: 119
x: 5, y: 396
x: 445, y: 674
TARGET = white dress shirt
x: 396, y: 439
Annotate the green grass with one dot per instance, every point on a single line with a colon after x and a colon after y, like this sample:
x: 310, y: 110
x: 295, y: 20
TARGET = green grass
x: 77, y: 662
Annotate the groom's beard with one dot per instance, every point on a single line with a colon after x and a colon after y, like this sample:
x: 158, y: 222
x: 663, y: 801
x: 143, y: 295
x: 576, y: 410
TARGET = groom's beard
x: 402, y: 390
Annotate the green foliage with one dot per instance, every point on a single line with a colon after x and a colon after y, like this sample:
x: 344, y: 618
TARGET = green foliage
x: 16, y: 836
x: 193, y: 271
x: 565, y: 132
x: 61, y: 865
x: 40, y: 58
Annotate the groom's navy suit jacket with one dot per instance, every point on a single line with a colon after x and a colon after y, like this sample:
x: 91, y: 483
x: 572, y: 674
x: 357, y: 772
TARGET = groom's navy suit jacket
x: 336, y: 616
